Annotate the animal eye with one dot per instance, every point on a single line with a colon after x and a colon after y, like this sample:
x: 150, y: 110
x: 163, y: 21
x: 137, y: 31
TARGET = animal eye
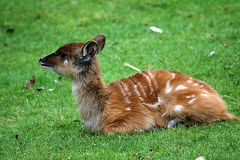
x: 62, y: 55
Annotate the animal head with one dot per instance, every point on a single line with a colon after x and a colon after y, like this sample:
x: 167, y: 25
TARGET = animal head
x: 74, y: 58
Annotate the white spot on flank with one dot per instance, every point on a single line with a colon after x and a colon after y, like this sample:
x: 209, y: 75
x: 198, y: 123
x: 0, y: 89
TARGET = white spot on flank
x: 205, y: 91
x: 125, y: 87
x: 154, y: 81
x: 195, y: 84
x: 191, y: 96
x: 192, y: 100
x: 168, y: 88
x: 204, y: 94
x: 149, y: 81
x: 173, y: 75
x: 137, y: 92
x: 124, y: 91
x: 201, y: 86
x: 140, y: 86
x: 180, y: 87
x: 157, y: 104
x: 65, y: 62
x: 128, y: 109
x: 189, y: 81
x: 178, y: 108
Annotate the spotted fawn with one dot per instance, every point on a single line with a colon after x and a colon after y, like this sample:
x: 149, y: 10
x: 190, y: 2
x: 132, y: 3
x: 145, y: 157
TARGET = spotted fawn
x: 146, y: 100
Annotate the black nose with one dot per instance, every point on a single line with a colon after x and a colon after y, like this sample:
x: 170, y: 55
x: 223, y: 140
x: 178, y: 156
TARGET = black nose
x: 41, y: 60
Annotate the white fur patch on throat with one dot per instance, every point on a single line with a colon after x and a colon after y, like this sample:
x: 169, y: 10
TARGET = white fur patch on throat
x: 65, y: 62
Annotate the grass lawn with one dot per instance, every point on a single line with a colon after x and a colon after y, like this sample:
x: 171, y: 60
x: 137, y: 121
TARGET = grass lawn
x: 45, y: 125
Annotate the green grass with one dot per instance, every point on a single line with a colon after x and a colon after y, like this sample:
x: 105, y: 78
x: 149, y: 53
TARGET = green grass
x: 45, y: 125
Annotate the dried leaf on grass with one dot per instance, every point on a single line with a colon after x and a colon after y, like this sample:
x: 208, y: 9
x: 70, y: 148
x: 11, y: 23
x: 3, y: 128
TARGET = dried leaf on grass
x: 29, y: 83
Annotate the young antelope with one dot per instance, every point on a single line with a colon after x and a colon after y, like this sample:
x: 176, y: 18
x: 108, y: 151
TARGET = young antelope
x: 146, y: 100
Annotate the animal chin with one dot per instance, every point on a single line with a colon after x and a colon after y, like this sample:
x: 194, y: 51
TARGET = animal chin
x: 46, y: 66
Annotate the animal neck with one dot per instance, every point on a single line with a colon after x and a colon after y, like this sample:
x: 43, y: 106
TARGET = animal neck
x: 92, y: 96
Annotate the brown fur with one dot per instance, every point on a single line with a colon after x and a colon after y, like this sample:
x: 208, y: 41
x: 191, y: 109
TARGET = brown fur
x: 140, y: 102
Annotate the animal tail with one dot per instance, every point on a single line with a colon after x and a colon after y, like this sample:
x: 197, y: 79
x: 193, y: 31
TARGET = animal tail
x: 230, y: 116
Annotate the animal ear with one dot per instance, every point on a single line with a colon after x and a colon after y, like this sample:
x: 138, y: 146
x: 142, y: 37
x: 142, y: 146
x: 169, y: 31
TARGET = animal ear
x: 88, y: 51
x: 100, y: 39
x: 91, y: 48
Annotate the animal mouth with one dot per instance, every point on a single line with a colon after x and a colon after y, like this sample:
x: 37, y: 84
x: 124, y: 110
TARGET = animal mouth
x: 45, y: 65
